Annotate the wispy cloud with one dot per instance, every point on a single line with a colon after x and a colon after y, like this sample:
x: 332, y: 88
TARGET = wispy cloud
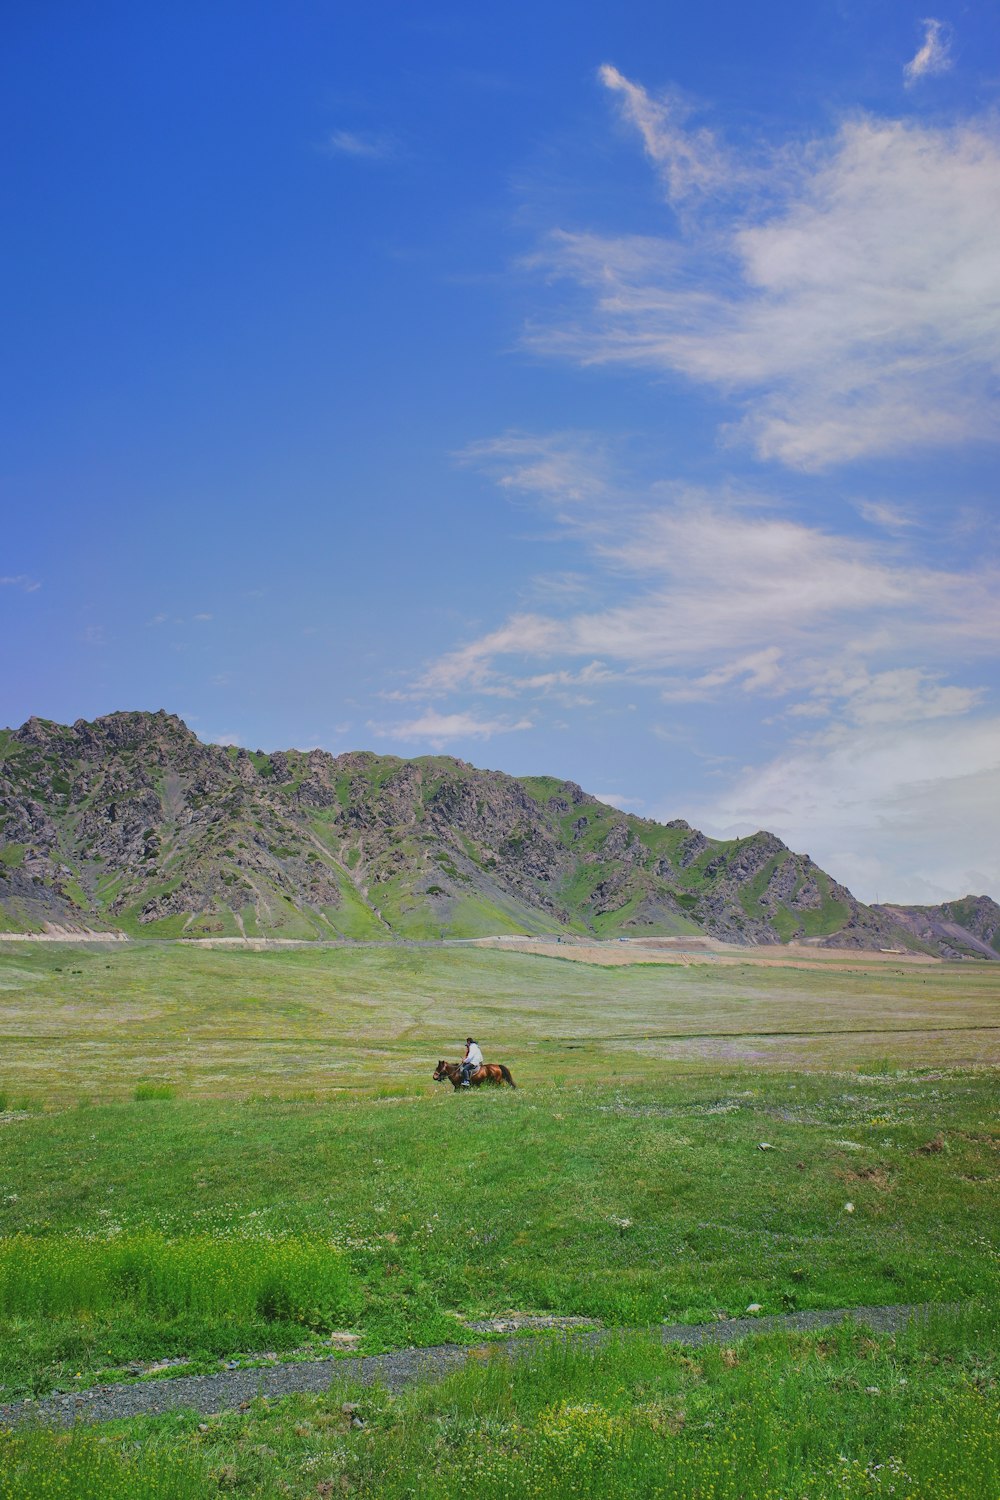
x: 20, y: 581
x: 883, y: 513
x: 688, y: 160
x: 899, y: 695
x: 163, y: 618
x: 440, y: 729
x: 849, y: 300
x: 934, y: 56
x: 717, y: 597
x: 366, y: 145
x: 563, y: 585
x: 761, y: 671
x: 568, y: 468
x: 94, y: 635
x: 615, y: 799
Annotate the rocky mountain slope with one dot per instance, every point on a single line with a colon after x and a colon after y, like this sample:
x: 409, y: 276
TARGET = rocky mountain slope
x: 130, y: 822
x: 968, y: 928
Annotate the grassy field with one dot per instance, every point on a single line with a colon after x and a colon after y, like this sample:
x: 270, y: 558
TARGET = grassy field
x: 210, y: 1155
x: 95, y: 1021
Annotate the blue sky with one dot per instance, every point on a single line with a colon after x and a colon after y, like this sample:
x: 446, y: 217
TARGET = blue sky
x: 603, y: 390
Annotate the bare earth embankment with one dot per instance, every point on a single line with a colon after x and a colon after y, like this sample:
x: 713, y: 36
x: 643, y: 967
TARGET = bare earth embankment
x: 700, y: 950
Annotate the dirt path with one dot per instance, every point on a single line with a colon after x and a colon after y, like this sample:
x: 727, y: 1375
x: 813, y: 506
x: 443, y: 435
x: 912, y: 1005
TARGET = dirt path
x: 231, y: 1388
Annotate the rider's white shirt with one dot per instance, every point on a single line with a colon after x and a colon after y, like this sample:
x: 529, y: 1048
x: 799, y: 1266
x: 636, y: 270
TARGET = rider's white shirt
x: 475, y: 1056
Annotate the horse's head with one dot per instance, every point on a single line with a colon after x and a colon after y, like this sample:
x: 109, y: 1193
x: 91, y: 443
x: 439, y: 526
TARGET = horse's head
x: 441, y: 1071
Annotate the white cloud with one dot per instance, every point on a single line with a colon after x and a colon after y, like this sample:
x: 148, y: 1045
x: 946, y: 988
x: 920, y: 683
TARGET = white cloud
x: 689, y: 161
x: 20, y: 581
x: 933, y: 57
x: 615, y: 799
x: 724, y: 600
x: 899, y: 695
x: 365, y: 144
x: 94, y: 635
x: 440, y: 729
x: 226, y: 738
x: 907, y: 813
x: 882, y: 513
x: 563, y: 586
x: 761, y: 671
x: 568, y: 467
x: 850, y: 302
x: 734, y: 597
x: 163, y: 617
x: 472, y: 665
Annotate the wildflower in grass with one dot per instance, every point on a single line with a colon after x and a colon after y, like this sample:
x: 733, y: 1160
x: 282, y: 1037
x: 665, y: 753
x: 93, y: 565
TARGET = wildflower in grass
x: 581, y: 1429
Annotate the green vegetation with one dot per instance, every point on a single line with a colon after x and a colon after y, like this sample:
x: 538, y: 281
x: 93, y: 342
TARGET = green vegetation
x: 145, y: 1091
x: 839, y: 1414
x: 98, y: 1019
x: 615, y: 1184
x: 628, y: 1206
x: 300, y: 1174
x: 87, y: 1466
x: 297, y: 1280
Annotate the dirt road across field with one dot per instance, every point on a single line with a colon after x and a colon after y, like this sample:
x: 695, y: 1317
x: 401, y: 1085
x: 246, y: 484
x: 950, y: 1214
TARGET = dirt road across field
x: 232, y: 1389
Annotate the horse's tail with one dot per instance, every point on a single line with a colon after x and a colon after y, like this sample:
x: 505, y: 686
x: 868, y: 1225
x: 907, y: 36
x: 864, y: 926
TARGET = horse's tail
x: 506, y: 1074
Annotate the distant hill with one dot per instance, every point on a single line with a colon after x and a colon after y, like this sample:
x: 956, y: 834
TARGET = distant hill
x: 968, y: 928
x: 130, y: 822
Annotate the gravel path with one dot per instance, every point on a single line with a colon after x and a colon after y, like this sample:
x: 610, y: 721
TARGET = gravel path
x: 230, y: 1389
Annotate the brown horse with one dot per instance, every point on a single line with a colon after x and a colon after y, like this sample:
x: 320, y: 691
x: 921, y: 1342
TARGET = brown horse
x: 495, y: 1073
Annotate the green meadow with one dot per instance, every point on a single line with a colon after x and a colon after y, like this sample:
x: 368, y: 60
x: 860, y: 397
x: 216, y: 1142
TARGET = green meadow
x: 215, y: 1155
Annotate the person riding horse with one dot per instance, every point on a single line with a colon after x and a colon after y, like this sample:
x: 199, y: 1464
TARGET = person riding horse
x: 495, y: 1073
x: 471, y: 1062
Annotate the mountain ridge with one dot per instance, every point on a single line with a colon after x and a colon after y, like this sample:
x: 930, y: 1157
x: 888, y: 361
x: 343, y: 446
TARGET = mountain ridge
x: 130, y: 822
